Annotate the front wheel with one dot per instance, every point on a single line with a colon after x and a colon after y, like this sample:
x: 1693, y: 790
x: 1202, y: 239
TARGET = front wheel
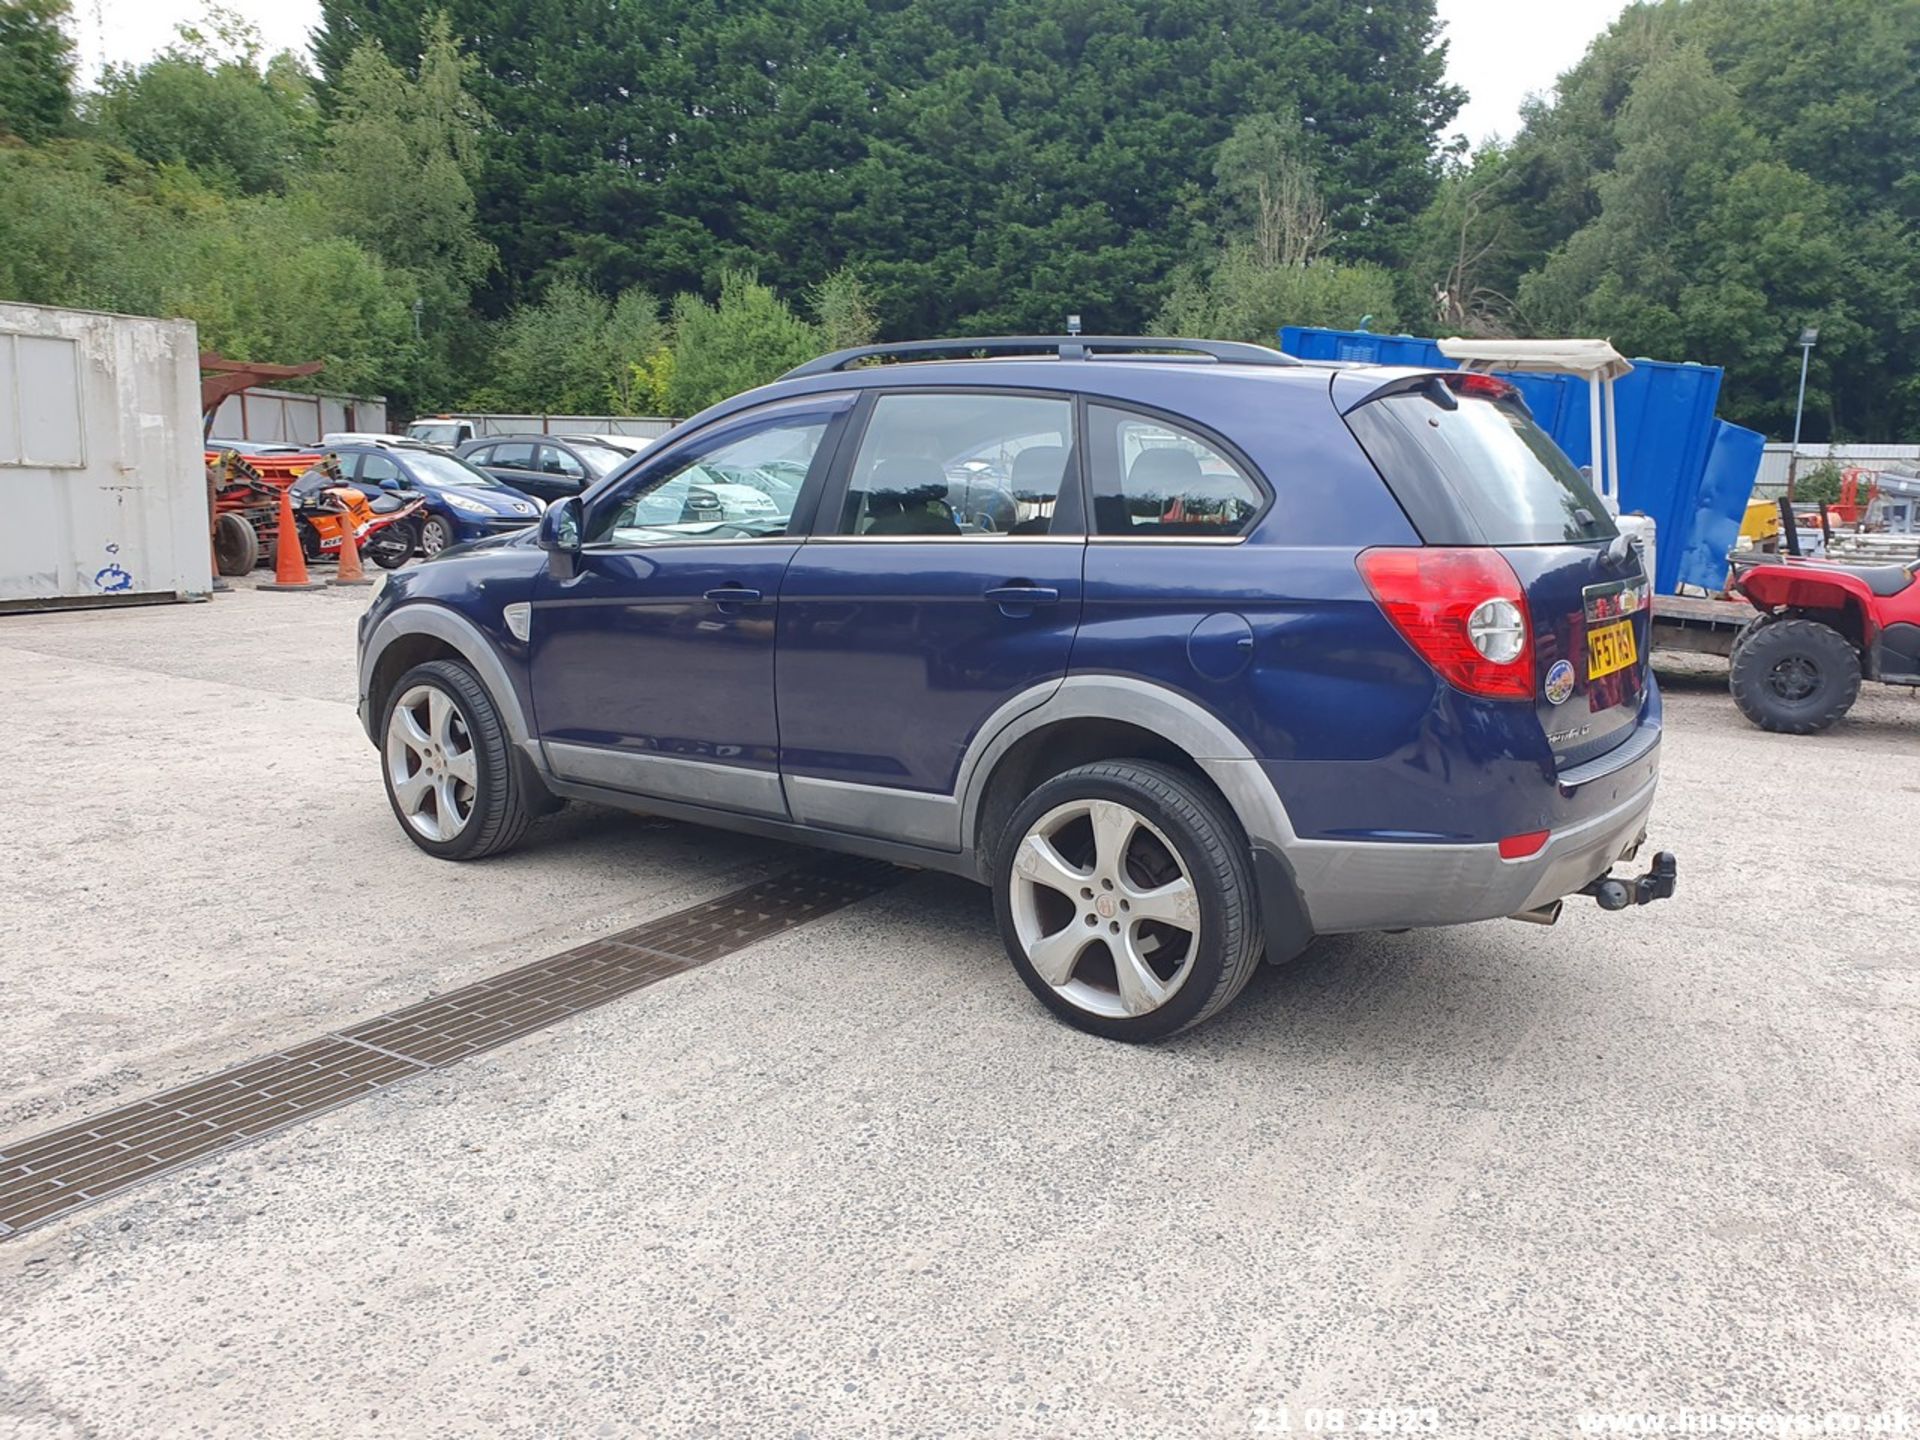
x: 1794, y: 677
x: 448, y: 765
x: 1124, y: 892
x: 435, y: 536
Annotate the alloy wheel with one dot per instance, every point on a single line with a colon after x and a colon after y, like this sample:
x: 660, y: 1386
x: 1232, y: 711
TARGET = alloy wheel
x: 1104, y: 908
x: 431, y: 763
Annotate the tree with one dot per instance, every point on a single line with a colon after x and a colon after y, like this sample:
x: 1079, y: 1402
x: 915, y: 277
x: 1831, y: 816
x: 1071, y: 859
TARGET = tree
x: 36, y: 68
x: 1711, y: 177
x: 403, y: 152
x: 986, y: 163
x: 207, y: 103
x: 575, y: 353
x: 749, y: 338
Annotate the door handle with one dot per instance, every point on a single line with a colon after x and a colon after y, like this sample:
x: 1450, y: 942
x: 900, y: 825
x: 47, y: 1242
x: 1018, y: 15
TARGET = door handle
x: 1018, y: 599
x: 1023, y: 594
x: 734, y: 595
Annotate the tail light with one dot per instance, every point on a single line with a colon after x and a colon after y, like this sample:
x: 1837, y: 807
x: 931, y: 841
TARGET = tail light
x: 1462, y: 610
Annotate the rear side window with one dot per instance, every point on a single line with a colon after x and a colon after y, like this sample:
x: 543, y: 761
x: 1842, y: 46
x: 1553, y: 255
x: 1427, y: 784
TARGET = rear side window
x: 1153, y: 479
x: 513, y: 457
x: 1475, y: 470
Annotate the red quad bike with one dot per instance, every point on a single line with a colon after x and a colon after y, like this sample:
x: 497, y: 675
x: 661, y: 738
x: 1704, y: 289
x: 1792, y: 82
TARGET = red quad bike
x: 1797, y: 667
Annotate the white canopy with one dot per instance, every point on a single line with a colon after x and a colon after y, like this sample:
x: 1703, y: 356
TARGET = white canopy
x: 1592, y: 359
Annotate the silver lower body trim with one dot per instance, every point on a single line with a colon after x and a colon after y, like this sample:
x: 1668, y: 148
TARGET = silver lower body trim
x: 700, y: 782
x: 1385, y: 885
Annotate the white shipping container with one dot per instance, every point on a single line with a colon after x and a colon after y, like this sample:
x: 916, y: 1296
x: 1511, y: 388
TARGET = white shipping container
x: 101, y: 471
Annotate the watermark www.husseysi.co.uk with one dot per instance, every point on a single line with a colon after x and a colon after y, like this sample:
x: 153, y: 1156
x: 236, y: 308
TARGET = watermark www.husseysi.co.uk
x: 1785, y: 1423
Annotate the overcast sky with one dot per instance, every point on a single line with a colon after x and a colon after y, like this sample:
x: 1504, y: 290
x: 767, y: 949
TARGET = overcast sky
x: 1499, y: 50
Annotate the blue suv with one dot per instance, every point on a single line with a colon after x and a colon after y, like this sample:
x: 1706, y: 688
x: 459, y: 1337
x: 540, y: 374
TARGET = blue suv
x: 1258, y: 650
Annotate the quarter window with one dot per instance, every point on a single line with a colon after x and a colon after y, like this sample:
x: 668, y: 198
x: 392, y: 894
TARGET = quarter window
x: 1155, y: 479
x: 740, y: 488
x: 959, y: 466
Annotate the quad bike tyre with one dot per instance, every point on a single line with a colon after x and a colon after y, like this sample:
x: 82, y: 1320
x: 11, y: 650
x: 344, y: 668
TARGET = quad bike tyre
x: 236, y: 546
x: 1794, y: 676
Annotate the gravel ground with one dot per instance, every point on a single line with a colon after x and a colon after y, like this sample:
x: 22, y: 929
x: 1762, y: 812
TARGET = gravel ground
x: 855, y: 1182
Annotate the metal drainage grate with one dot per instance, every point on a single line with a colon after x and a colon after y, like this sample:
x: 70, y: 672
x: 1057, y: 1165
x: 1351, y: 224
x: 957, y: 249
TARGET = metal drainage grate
x: 47, y: 1176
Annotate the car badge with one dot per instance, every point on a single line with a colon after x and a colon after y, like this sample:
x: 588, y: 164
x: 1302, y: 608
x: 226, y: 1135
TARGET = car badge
x: 1560, y: 682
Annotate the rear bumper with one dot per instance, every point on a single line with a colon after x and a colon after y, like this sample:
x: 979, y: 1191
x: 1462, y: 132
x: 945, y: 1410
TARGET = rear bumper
x: 1386, y: 885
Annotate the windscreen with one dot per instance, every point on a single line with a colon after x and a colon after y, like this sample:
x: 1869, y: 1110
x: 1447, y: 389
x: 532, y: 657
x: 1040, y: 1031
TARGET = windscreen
x: 1505, y: 482
x: 446, y: 470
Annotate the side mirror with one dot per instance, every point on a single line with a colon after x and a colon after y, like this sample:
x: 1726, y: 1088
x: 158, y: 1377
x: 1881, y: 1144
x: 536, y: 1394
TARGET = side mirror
x: 390, y: 484
x: 560, y: 536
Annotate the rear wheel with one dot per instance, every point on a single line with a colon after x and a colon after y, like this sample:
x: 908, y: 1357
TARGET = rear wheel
x: 391, y: 547
x: 1794, y: 677
x: 448, y: 765
x: 236, y: 548
x: 1125, y: 896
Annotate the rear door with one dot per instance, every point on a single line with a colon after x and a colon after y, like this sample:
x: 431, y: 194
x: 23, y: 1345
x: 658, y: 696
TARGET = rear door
x: 1470, y: 467
x: 905, y: 624
x: 517, y: 463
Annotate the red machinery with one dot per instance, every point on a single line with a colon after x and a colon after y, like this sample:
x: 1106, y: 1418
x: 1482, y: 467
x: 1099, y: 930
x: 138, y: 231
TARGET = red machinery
x: 1797, y: 667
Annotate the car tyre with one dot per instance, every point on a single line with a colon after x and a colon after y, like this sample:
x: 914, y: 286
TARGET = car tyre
x: 1095, y: 918
x: 435, y: 535
x: 448, y: 767
x: 1794, y: 677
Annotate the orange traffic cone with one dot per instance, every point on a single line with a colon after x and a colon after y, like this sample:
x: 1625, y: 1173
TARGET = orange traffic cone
x: 351, y: 571
x: 289, y: 564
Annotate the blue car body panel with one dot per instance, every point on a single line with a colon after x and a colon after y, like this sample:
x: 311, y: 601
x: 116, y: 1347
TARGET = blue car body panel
x: 869, y: 674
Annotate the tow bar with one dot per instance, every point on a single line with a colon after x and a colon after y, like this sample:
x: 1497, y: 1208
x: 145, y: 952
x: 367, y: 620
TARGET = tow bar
x: 1656, y: 884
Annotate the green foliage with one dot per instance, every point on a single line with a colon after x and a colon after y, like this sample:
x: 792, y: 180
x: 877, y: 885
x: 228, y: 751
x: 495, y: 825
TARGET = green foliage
x: 212, y: 107
x: 575, y: 353
x: 1819, y: 485
x: 263, y: 277
x: 36, y: 68
x: 1241, y: 297
x: 986, y: 163
x: 402, y: 152
x: 1710, y: 178
x: 749, y: 338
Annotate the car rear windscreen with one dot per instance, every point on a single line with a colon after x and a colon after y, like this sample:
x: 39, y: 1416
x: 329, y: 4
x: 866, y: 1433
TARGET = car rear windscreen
x: 1472, y: 469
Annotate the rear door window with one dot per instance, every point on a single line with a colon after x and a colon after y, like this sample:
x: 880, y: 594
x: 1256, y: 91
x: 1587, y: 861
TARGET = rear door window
x: 978, y: 465
x: 513, y: 456
x: 1474, y: 469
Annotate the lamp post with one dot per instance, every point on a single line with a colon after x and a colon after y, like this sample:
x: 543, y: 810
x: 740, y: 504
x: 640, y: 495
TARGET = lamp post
x: 1808, y: 338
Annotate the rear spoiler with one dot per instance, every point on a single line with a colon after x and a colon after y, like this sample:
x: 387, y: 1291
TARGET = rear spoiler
x: 1442, y: 387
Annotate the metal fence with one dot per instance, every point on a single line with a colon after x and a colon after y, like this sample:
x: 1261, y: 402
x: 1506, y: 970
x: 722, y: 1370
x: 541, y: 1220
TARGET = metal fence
x: 641, y: 427
x: 291, y: 418
x: 1772, y: 479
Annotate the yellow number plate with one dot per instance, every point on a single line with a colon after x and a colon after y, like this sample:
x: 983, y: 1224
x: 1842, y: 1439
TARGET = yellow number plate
x: 1610, y: 648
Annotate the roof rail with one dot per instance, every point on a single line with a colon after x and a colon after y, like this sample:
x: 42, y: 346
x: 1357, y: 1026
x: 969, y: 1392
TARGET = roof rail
x: 1066, y: 347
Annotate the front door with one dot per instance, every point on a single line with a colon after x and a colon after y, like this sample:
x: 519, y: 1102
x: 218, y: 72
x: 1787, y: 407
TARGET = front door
x: 942, y: 581
x: 652, y: 665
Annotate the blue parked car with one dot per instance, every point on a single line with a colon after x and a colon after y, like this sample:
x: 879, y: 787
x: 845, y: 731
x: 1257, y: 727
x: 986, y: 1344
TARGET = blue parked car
x: 462, y: 503
x: 1268, y: 650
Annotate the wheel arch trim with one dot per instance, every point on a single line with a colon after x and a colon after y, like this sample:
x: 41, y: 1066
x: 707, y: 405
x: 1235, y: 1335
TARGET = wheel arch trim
x: 1204, y: 737
x: 467, y: 640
